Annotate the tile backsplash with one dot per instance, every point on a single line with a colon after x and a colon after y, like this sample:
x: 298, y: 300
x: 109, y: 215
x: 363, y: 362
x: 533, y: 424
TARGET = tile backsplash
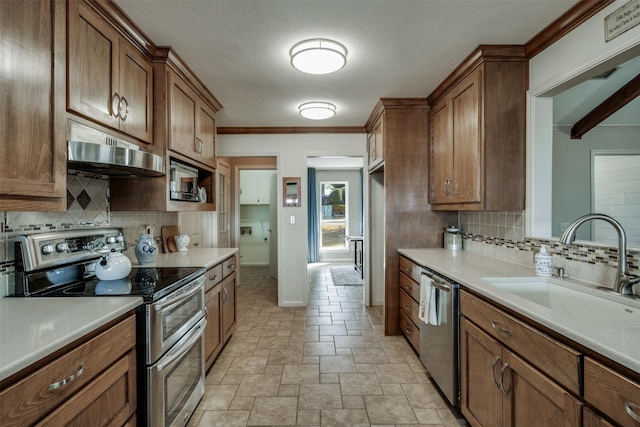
x: 501, y: 235
x: 87, y: 207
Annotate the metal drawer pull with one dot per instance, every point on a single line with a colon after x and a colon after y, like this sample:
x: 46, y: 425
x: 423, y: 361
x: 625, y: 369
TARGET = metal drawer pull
x: 407, y: 308
x: 631, y: 409
x: 408, y: 330
x: 116, y: 106
x: 498, y: 327
x: 215, y: 276
x: 225, y: 295
x: 68, y: 380
x: 230, y: 266
x: 493, y: 371
x: 502, y: 371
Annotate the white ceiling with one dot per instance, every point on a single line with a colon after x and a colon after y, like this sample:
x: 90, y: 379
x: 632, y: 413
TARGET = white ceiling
x: 397, y: 48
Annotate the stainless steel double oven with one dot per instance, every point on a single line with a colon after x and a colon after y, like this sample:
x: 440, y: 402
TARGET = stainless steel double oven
x: 174, y: 354
x: 170, y: 323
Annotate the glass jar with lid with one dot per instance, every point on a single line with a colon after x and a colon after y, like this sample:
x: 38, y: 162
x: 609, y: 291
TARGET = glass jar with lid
x: 452, y: 238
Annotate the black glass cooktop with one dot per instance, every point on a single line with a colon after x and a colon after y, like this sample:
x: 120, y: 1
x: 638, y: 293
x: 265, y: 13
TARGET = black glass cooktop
x: 149, y: 283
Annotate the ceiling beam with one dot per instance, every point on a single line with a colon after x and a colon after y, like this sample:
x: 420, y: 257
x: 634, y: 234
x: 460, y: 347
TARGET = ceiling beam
x: 619, y: 99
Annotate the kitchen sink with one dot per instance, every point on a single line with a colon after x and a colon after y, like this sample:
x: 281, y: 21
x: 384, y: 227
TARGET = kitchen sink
x: 579, y: 302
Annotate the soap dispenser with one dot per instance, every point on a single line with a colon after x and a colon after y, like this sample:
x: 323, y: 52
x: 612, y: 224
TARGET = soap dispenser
x: 543, y: 262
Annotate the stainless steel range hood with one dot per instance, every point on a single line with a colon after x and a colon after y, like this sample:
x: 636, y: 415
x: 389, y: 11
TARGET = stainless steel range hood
x: 91, y: 150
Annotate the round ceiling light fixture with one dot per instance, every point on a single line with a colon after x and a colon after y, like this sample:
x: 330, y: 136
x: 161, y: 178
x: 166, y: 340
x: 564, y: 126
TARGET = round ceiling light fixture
x: 317, y: 110
x: 318, y: 56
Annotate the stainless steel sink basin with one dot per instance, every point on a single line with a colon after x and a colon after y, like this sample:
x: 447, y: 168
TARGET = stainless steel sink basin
x: 582, y: 303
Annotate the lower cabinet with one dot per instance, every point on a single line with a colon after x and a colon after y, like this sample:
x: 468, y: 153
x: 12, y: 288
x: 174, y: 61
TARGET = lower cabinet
x: 94, y: 383
x: 591, y: 419
x: 501, y: 389
x: 612, y: 393
x: 409, y: 281
x: 220, y: 302
x: 512, y: 374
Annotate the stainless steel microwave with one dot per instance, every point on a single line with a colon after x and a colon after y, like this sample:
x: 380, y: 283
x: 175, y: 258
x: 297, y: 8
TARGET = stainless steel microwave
x: 183, y: 184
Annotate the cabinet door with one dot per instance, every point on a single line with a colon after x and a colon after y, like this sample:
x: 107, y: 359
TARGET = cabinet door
x: 93, y: 64
x: 33, y: 162
x: 229, y: 305
x: 264, y: 186
x: 136, y: 86
x: 206, y: 136
x: 591, y: 419
x: 441, y: 152
x: 375, y: 141
x: 532, y: 399
x: 481, y: 359
x: 213, y: 332
x: 248, y: 186
x: 467, y: 139
x: 183, y: 118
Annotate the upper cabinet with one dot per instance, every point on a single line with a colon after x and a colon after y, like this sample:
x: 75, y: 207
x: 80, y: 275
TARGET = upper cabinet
x: 477, y: 138
x: 185, y: 113
x: 255, y: 186
x: 375, y: 144
x: 110, y: 81
x: 33, y: 161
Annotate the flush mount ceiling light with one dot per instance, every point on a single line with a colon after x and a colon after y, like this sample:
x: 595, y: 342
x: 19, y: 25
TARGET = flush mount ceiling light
x: 318, y: 56
x: 317, y: 110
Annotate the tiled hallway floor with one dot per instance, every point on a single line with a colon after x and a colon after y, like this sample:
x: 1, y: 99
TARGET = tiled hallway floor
x: 325, y: 364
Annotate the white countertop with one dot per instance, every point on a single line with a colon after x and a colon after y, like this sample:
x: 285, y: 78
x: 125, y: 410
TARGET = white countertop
x: 32, y: 328
x: 194, y: 257
x: 619, y: 342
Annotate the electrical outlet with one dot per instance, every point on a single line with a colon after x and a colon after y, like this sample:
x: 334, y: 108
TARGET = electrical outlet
x: 292, y: 219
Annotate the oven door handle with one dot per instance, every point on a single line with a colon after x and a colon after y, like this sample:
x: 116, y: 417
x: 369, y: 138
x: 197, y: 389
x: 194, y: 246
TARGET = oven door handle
x: 180, y: 350
x: 197, y: 285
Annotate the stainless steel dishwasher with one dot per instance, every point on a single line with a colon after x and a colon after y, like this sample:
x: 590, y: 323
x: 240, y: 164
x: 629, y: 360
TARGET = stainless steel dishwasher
x: 439, y: 336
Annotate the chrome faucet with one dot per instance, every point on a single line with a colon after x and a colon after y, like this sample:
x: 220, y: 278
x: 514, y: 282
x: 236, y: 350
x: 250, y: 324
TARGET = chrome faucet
x: 623, y: 282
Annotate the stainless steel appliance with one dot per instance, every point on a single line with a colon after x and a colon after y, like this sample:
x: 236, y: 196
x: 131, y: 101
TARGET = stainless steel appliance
x: 95, y: 151
x: 439, y: 339
x: 183, y: 182
x: 170, y: 323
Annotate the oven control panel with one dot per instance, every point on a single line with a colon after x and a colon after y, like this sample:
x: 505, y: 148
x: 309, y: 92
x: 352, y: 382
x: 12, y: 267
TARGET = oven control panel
x: 50, y: 249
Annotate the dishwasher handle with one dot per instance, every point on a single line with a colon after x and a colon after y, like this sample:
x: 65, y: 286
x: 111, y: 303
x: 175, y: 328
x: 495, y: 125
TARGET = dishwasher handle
x: 438, y: 283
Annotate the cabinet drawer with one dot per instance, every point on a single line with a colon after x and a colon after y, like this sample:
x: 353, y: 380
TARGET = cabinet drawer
x: 213, y: 276
x: 36, y: 395
x: 555, y: 359
x: 612, y: 393
x: 410, y: 287
x: 410, y: 331
x: 410, y: 307
x: 410, y: 268
x: 109, y: 399
x: 229, y: 266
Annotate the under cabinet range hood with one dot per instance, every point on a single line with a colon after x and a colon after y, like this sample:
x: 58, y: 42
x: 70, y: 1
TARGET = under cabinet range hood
x: 92, y: 150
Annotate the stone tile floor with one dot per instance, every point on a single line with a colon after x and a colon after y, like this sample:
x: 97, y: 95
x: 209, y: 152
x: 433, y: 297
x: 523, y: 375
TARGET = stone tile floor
x: 327, y: 364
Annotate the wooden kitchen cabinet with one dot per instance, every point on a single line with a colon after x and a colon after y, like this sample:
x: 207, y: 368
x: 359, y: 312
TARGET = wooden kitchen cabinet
x: 192, y: 123
x: 591, y: 419
x: 220, y: 302
x: 410, y: 301
x: 229, y: 303
x: 501, y: 389
x: 110, y: 80
x: 400, y: 211
x: 612, y: 393
x: 213, y: 336
x: 477, y: 138
x: 93, y: 382
x: 33, y: 146
x: 375, y: 144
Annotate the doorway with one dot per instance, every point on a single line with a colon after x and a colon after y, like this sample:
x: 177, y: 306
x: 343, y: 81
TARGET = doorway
x: 254, y: 211
x: 336, y: 219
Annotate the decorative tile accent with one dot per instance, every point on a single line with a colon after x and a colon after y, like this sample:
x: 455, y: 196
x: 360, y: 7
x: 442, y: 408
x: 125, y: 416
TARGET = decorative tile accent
x: 501, y: 235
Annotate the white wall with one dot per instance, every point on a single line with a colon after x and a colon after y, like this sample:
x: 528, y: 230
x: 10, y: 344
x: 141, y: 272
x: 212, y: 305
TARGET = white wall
x: 291, y: 151
x: 576, y: 57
